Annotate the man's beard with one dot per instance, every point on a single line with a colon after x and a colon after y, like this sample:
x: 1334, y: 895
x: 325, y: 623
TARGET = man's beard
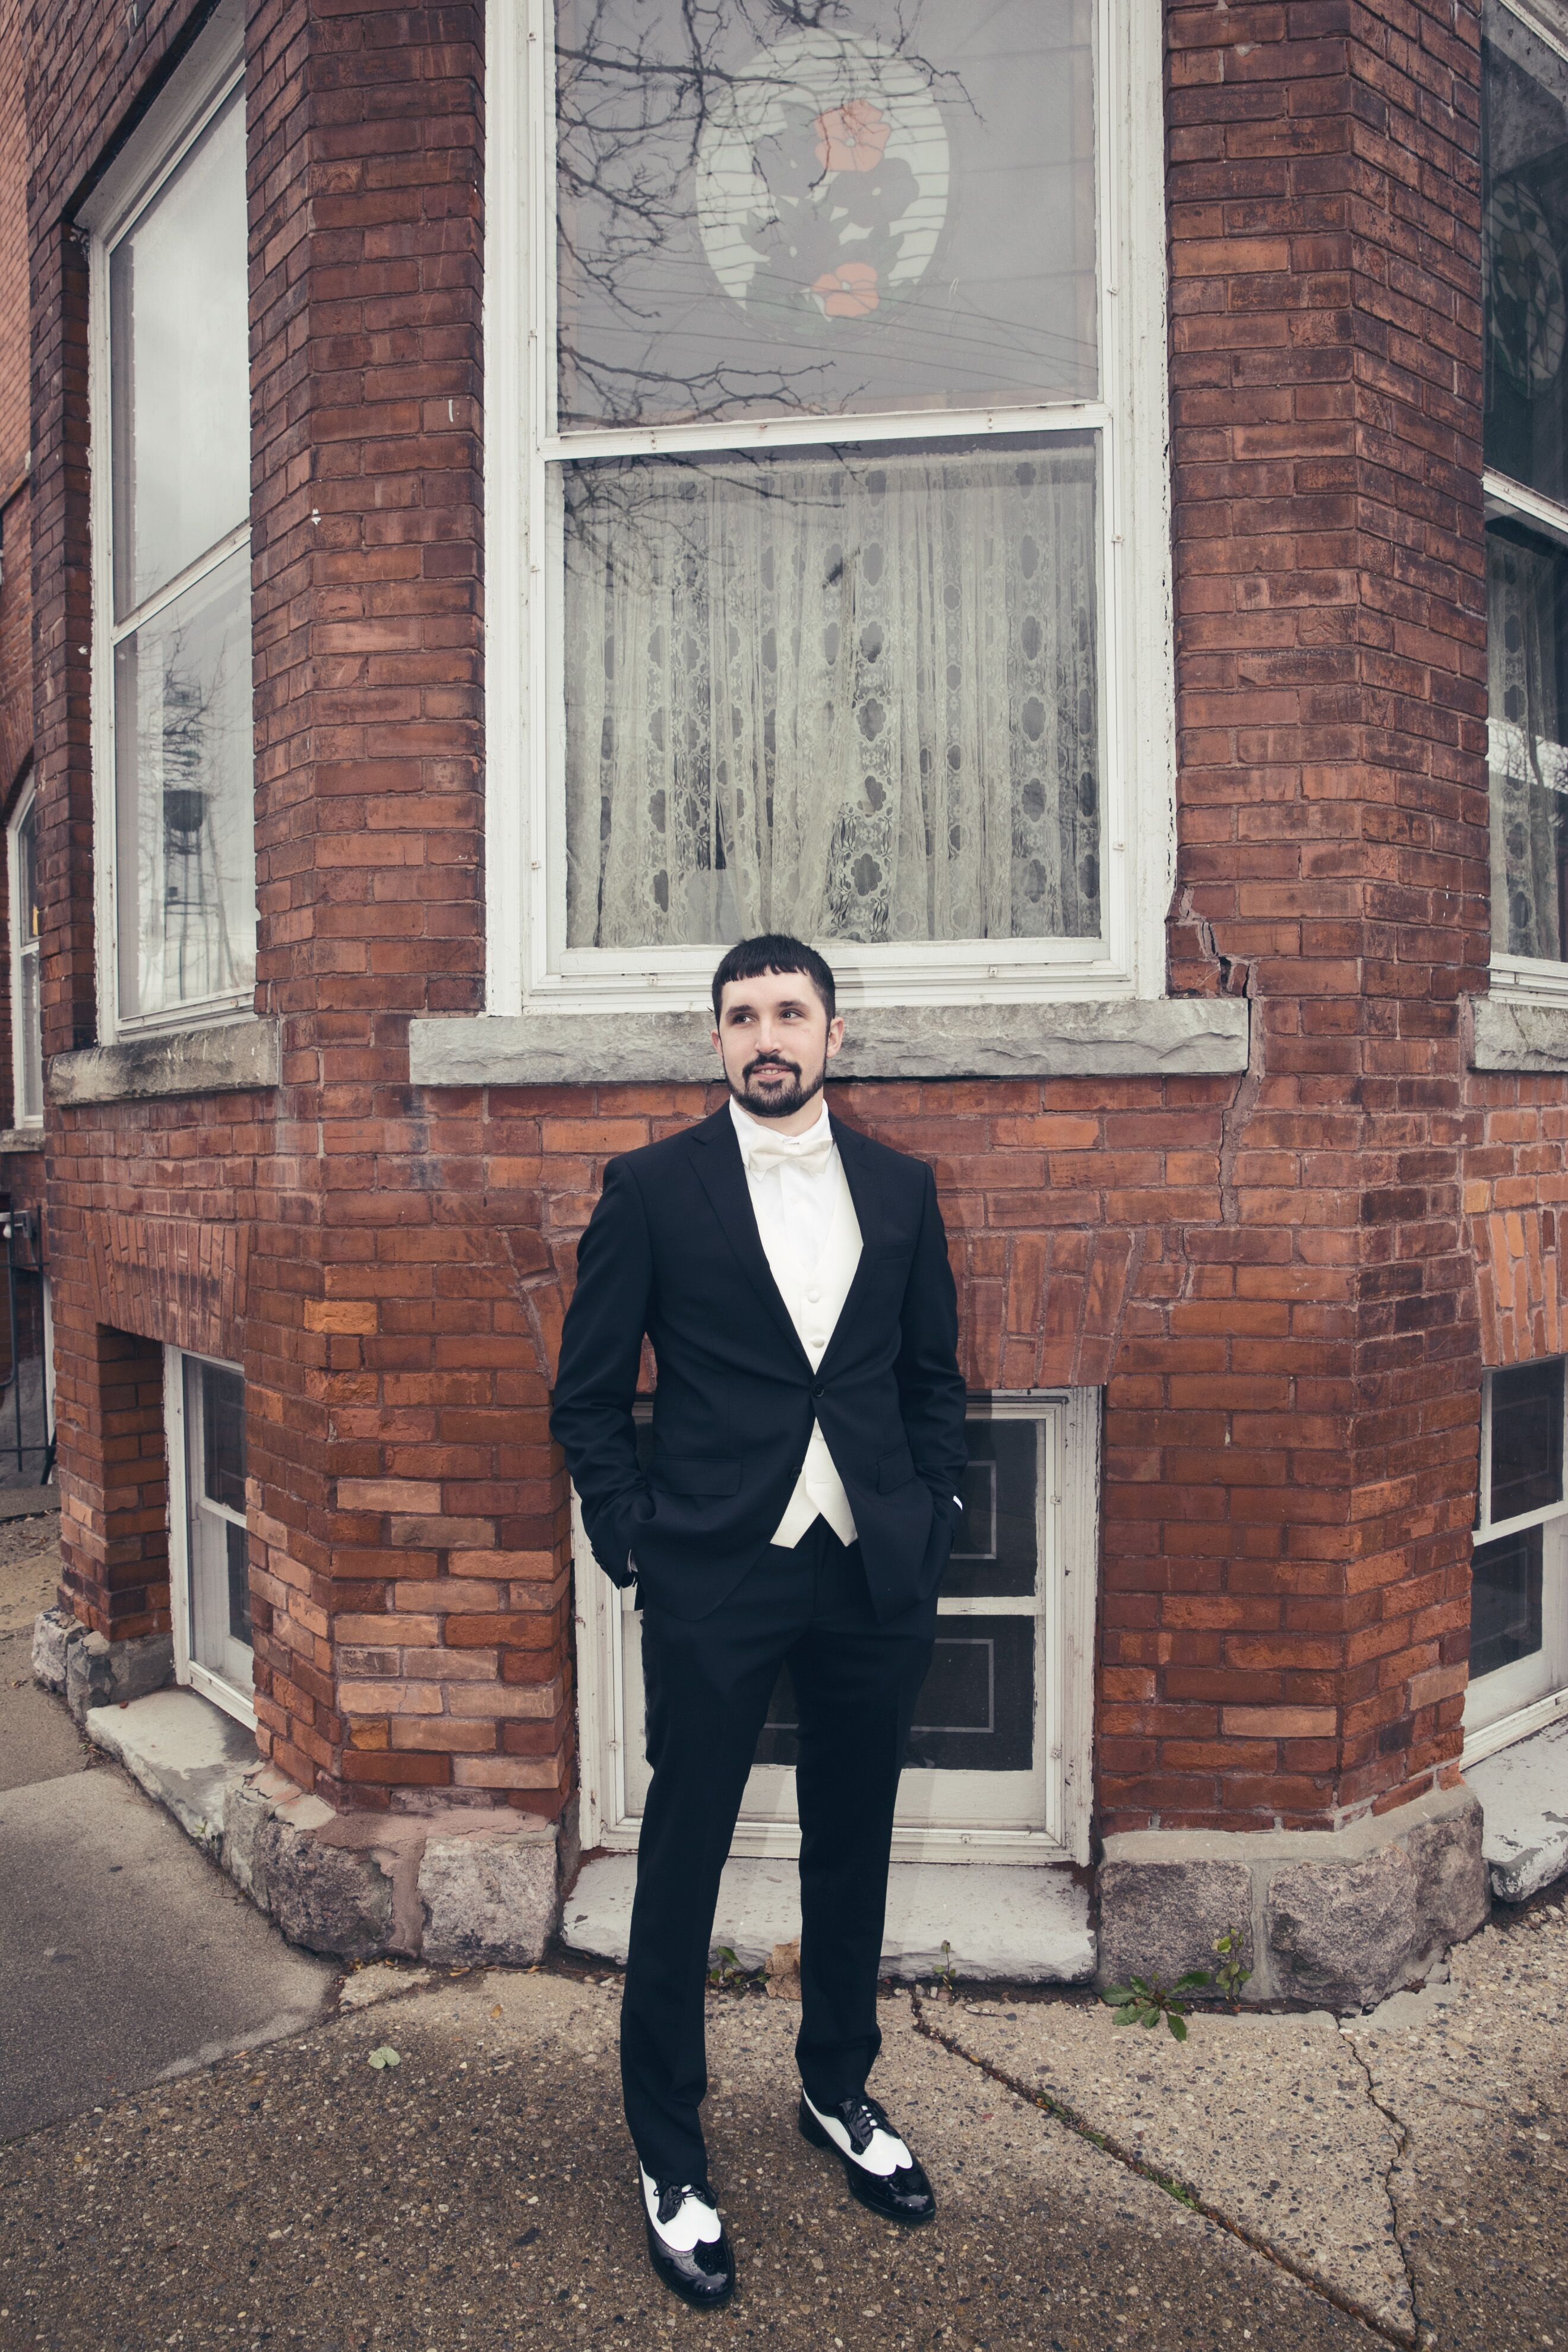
x: 779, y: 1101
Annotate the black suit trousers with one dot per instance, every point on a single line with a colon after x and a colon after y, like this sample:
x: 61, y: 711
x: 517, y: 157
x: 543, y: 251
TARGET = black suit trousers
x: 708, y: 1682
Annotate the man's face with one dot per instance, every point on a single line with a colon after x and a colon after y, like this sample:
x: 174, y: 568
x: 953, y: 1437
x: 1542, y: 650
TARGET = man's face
x: 775, y: 1041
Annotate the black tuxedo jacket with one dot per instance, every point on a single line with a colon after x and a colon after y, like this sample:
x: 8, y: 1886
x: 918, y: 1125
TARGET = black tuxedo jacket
x: 673, y: 1250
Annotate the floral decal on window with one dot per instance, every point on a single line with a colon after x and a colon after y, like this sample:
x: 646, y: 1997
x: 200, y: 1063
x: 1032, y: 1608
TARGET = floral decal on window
x: 822, y: 180
x: 852, y: 138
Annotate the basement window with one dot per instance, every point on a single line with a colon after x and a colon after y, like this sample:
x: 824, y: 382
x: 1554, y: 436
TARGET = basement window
x: 1519, y: 1604
x: 997, y: 1767
x: 210, y: 1562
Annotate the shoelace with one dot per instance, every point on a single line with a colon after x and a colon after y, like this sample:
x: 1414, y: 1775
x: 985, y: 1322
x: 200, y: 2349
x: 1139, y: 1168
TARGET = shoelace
x: 673, y: 2196
x: 862, y: 2118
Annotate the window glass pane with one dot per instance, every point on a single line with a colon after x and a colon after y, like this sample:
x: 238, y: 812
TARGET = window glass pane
x: 1527, y: 636
x: 996, y: 1548
x: 187, y: 859
x: 238, y: 1567
x: 975, y: 1712
x: 1505, y: 1602
x: 180, y: 367
x: 850, y: 695
x: 29, y: 1016
x: 891, y: 209
x: 1527, y: 1440
x: 223, y: 1436
x: 27, y: 871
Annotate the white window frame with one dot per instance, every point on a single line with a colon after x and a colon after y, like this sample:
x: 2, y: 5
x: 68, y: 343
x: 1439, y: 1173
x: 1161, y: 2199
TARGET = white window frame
x: 1515, y: 977
x: 23, y: 948
x: 188, y: 1671
x: 528, y: 968
x: 1507, y: 1705
x: 197, y: 91
x: 1064, y: 1610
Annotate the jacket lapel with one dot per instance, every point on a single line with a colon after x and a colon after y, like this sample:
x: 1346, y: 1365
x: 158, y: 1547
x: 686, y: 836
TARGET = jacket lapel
x: 722, y: 1173
x: 866, y: 1195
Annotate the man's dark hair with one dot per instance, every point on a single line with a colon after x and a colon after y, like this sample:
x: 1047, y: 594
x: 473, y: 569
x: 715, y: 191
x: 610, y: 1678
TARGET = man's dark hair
x: 772, y: 952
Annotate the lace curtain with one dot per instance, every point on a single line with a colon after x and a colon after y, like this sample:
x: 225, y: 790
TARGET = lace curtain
x: 1529, y: 763
x: 850, y: 697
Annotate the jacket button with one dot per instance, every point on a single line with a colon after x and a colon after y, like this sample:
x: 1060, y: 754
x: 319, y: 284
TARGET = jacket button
x: 816, y: 1387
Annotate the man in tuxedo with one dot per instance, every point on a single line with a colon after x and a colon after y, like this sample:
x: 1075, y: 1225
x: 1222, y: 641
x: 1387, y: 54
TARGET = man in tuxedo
x: 798, y: 1507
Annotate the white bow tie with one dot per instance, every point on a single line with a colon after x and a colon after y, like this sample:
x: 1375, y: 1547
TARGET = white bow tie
x: 810, y: 1154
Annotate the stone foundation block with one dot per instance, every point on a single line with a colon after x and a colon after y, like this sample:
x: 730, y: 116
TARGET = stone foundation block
x: 488, y: 1895
x: 331, y: 1898
x: 1342, y: 1935
x: 101, y: 1672
x: 1338, y: 1917
x: 54, y: 1634
x: 245, y: 1814
x: 1160, y: 1919
x: 1452, y: 1895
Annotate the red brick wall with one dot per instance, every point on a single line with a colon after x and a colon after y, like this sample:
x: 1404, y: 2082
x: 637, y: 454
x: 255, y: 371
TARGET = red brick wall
x: 1516, y: 1192
x: 83, y: 95
x: 1325, y: 377
x: 15, y: 580
x: 1269, y: 1276
x: 21, y: 1174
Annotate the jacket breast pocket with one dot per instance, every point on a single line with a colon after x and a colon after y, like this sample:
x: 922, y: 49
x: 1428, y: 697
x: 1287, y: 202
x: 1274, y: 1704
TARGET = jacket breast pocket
x: 895, y: 1470
x: 696, y: 1474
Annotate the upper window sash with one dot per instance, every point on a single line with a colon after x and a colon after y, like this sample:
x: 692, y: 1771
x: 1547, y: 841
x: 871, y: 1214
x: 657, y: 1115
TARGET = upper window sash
x: 1487, y: 1528
x: 1545, y: 518
x: 530, y: 960
x: 27, y: 1038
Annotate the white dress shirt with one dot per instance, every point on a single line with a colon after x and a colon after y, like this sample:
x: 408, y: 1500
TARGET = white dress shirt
x: 811, y: 1236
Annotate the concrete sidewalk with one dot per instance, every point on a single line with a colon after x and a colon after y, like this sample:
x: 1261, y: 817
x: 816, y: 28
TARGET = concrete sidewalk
x: 125, y: 1955
x: 1278, y: 2182
x: 481, y: 2194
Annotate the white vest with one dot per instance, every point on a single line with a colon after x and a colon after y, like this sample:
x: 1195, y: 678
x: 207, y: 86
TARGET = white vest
x: 815, y: 1300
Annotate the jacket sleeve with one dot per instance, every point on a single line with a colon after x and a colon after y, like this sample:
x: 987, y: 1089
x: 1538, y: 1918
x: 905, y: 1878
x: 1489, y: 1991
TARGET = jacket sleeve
x: 931, y: 1393
x: 601, y: 1349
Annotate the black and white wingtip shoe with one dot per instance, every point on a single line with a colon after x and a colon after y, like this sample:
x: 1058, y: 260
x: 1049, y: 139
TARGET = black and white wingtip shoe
x: 877, y: 2166
x: 687, y: 2242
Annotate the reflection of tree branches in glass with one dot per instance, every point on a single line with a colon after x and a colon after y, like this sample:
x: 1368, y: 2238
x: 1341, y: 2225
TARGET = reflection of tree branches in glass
x: 625, y: 520
x: 183, y: 756
x: 635, y: 92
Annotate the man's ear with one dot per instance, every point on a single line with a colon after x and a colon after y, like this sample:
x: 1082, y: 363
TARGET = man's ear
x: 835, y: 1035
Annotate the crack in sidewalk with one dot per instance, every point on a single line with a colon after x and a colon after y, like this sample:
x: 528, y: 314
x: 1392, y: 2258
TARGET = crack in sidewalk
x: 1423, y: 2335
x: 1409, y: 2339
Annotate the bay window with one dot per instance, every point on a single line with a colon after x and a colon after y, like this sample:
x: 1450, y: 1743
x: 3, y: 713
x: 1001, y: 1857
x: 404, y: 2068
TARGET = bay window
x: 815, y: 592
x: 1525, y: 169
x: 170, y: 446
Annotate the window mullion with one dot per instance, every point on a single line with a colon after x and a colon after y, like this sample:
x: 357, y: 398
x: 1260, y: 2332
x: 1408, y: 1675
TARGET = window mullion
x: 1501, y: 491
x: 831, y: 432
x: 190, y: 577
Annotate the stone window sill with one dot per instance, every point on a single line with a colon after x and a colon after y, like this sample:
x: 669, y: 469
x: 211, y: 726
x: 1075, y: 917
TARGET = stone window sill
x: 227, y: 1058
x: 1171, y: 1036
x: 1519, y: 1032
x: 21, y: 1139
